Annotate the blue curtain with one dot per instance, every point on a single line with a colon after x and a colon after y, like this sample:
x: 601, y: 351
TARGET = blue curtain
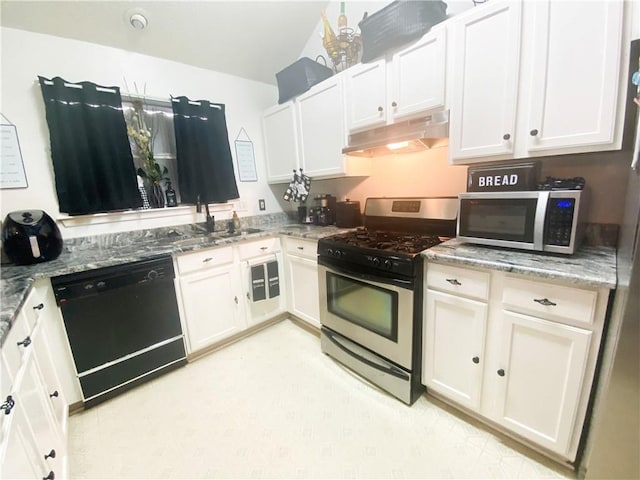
x: 92, y: 161
x: 205, y: 165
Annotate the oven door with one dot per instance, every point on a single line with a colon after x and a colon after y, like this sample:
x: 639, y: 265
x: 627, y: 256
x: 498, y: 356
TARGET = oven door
x: 374, y: 312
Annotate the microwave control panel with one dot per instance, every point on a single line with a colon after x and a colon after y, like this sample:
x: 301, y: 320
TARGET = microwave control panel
x: 559, y: 221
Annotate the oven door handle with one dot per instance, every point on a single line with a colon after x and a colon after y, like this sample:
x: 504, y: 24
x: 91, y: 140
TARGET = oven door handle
x: 354, y: 271
x: 388, y: 369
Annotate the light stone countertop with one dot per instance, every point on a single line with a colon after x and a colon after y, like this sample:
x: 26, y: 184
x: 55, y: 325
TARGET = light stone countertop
x: 589, y: 266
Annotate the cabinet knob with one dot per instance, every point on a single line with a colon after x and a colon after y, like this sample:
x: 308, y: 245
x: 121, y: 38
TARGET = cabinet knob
x: 300, y: 248
x: 453, y: 281
x: 263, y: 248
x: 51, y: 476
x: 248, y: 296
x: 8, y: 404
x: 501, y: 372
x: 545, y: 301
x: 51, y: 454
x: 208, y: 259
x: 26, y: 342
x: 533, y: 132
x: 394, y: 104
x: 54, y: 394
x: 380, y: 109
x: 475, y: 360
x: 235, y: 299
x: 39, y: 306
x: 506, y: 136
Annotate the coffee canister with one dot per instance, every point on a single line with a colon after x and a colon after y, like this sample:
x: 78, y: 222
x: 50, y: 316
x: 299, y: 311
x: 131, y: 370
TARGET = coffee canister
x: 348, y: 214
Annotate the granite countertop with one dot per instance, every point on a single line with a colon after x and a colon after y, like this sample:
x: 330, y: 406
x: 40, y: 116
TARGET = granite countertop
x: 589, y: 266
x: 99, y: 251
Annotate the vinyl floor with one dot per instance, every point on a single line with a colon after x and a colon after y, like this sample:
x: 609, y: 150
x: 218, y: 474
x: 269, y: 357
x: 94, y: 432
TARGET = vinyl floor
x: 273, y: 406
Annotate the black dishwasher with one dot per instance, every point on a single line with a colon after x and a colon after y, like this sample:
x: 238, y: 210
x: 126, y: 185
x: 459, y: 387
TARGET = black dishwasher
x: 123, y: 325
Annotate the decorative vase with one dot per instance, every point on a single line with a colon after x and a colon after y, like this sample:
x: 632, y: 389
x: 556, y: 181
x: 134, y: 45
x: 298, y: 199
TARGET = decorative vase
x: 156, y: 195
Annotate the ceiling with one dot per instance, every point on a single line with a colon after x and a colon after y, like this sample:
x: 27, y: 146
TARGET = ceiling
x: 250, y: 39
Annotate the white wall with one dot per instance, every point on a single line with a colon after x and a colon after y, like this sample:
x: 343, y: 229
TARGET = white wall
x: 26, y: 55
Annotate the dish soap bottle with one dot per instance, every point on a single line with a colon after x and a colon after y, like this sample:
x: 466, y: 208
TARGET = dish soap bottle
x: 236, y: 221
x: 171, y: 196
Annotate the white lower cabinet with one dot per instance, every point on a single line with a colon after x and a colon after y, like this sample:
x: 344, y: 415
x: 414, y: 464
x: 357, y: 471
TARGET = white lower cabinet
x: 542, y: 370
x: 527, y: 365
x: 455, y: 372
x: 302, y: 279
x: 262, y: 279
x: 210, y: 292
x: 34, y: 419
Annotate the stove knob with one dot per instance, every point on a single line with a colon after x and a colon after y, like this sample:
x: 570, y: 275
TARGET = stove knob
x: 375, y: 261
x: 329, y: 251
x: 339, y: 253
x: 387, y: 264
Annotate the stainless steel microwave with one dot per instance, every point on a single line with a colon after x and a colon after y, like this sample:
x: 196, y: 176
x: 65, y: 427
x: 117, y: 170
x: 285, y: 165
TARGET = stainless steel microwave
x: 549, y: 221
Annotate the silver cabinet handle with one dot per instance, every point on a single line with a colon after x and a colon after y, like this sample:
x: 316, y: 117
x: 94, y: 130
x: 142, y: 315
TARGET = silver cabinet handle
x: 453, y: 281
x: 545, y: 301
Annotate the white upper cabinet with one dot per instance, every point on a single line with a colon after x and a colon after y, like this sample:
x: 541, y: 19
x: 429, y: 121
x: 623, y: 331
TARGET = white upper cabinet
x: 281, y: 141
x: 486, y: 49
x: 576, y: 59
x: 552, y: 89
x: 366, y: 95
x: 403, y: 85
x: 321, y: 128
x: 417, y: 76
x: 309, y: 133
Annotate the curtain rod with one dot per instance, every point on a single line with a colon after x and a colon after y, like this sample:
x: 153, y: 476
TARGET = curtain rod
x: 75, y: 85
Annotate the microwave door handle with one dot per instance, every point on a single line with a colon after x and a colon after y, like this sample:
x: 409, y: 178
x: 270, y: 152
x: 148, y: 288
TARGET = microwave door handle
x: 538, y: 227
x: 388, y: 369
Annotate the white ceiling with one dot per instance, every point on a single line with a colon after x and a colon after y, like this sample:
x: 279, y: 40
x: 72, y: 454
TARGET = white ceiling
x: 250, y: 39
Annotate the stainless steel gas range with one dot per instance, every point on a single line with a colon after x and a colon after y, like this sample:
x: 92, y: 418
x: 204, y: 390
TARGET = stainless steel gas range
x: 370, y: 282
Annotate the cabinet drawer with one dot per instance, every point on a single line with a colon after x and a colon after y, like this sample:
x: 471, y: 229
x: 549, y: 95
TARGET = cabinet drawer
x: 301, y: 248
x: 12, y: 353
x: 204, y: 259
x: 260, y: 247
x: 550, y: 300
x: 460, y: 281
x: 32, y: 308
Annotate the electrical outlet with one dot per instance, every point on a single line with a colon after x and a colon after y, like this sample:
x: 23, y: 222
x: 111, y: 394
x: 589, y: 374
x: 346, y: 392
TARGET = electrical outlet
x: 261, y: 204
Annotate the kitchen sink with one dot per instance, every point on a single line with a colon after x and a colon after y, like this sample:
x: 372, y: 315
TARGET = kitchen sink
x: 244, y: 231
x: 195, y: 241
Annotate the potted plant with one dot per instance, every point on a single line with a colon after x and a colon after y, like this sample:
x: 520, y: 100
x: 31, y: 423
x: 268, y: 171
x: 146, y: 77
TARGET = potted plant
x: 152, y: 173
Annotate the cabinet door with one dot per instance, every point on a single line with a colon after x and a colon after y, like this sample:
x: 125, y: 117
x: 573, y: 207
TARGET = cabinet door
x: 19, y: 456
x: 31, y: 398
x: 576, y: 52
x: 281, y: 142
x: 541, y: 375
x: 418, y: 74
x: 303, y: 296
x: 366, y: 96
x: 322, y: 131
x: 261, y: 310
x: 50, y: 380
x: 453, y: 347
x: 211, y: 306
x: 486, y: 54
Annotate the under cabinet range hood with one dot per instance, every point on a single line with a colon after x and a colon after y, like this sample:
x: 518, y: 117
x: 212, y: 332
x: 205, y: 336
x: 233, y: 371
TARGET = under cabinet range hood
x: 409, y: 136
